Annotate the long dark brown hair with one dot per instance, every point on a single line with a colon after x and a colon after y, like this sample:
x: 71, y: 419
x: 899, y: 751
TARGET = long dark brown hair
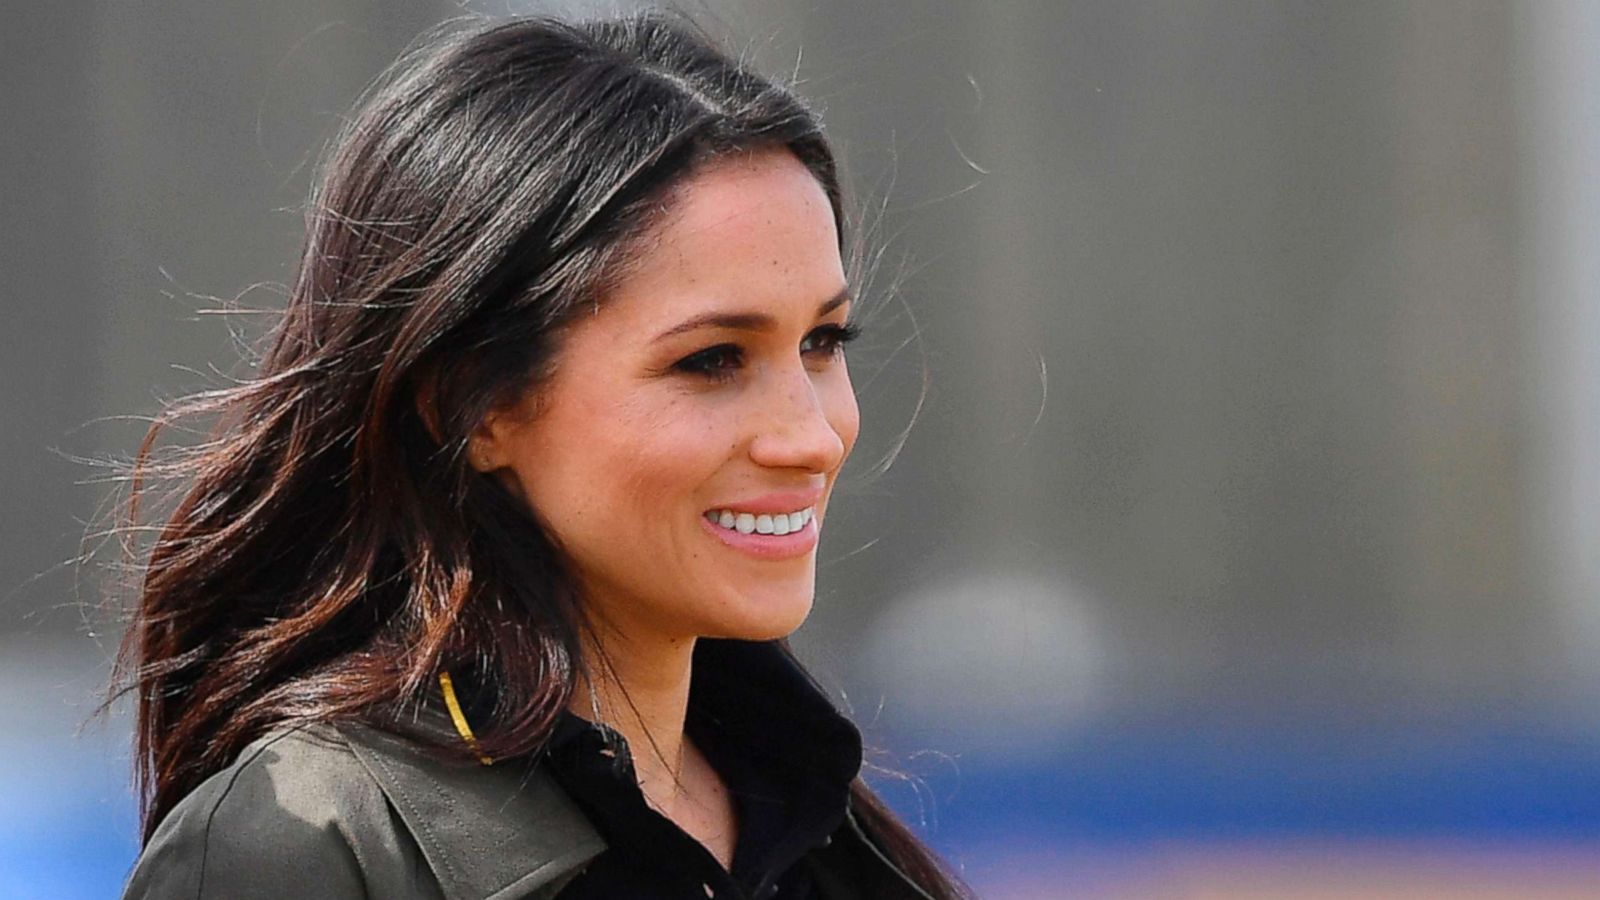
x: 327, y: 549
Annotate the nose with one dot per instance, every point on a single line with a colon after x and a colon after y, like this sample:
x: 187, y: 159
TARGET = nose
x: 794, y: 429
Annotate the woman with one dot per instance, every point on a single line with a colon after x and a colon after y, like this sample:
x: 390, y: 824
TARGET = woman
x: 479, y: 588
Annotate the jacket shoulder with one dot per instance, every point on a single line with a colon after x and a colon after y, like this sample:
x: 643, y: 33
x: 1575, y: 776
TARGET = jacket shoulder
x: 297, y: 814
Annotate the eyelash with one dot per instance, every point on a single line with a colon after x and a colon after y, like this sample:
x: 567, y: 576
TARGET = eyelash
x: 711, y: 363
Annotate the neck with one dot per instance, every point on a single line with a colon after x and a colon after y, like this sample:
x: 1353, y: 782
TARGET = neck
x: 642, y: 692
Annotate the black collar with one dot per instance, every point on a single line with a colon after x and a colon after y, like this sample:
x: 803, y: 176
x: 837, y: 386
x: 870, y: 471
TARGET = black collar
x: 783, y: 752
x: 757, y: 694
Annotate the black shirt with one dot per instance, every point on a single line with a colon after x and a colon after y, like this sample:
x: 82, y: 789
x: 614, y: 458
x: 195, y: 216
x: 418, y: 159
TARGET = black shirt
x: 786, y: 755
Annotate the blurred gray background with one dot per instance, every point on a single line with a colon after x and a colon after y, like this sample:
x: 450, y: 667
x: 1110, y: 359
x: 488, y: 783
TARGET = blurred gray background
x: 1242, y: 372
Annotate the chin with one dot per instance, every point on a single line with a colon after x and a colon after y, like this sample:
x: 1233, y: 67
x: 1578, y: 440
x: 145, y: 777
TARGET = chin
x: 775, y: 619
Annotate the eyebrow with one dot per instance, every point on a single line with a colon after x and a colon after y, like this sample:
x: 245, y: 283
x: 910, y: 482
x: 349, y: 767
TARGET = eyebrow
x: 745, y: 321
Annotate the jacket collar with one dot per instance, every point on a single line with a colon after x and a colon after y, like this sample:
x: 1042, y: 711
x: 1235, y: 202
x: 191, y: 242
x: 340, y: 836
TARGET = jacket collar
x: 498, y: 831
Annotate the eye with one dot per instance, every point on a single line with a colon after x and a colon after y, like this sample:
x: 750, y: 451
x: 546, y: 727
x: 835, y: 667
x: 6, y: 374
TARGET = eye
x: 833, y: 338
x: 717, y: 363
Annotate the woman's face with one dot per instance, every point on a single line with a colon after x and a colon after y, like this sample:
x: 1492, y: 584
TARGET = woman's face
x: 709, y: 383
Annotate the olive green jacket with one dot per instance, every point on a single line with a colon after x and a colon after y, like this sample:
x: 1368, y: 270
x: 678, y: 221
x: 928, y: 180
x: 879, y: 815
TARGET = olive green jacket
x: 353, y: 812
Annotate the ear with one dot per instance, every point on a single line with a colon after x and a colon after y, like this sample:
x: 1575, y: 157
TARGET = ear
x: 482, y: 444
x: 488, y: 447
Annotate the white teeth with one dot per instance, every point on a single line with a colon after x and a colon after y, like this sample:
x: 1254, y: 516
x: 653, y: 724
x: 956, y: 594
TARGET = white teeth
x: 765, y: 523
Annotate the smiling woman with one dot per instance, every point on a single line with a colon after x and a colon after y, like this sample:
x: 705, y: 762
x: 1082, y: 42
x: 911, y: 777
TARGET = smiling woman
x: 480, y: 587
x: 748, y: 414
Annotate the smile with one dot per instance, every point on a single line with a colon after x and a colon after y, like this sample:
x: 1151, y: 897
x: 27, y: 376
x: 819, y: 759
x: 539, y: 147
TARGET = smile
x: 763, y: 523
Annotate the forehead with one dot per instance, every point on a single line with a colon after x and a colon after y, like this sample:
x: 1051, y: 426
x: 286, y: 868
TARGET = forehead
x: 751, y: 232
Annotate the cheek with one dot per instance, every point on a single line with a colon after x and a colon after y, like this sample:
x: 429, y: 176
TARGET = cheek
x: 645, y: 460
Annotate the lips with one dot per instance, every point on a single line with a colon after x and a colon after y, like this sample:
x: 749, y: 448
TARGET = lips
x: 766, y: 546
x: 766, y: 509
